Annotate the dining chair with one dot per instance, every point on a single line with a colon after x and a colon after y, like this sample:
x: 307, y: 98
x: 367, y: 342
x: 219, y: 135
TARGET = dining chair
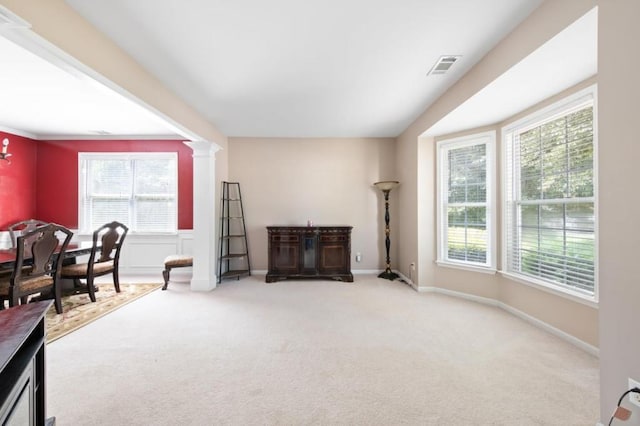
x: 17, y: 229
x: 104, y: 258
x: 39, y: 255
x: 22, y: 227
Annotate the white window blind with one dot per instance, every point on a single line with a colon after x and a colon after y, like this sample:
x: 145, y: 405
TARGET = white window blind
x: 465, y: 198
x: 137, y: 189
x: 550, y: 199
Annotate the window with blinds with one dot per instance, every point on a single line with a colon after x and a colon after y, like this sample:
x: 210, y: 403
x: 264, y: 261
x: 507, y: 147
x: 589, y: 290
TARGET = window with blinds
x: 550, y: 197
x: 137, y: 189
x: 465, y: 201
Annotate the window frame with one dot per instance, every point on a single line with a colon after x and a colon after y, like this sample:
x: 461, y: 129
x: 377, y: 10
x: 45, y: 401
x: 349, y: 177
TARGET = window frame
x: 443, y: 147
x: 84, y: 222
x: 557, y: 109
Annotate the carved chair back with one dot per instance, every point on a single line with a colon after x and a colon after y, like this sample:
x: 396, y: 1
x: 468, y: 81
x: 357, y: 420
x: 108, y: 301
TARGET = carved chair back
x: 23, y: 227
x: 38, y: 262
x: 107, y: 243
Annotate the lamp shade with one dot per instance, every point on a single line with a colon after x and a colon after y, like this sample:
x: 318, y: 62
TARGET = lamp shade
x: 386, y: 185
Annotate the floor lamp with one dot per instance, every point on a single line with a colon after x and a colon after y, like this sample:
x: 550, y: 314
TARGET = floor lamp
x: 386, y: 187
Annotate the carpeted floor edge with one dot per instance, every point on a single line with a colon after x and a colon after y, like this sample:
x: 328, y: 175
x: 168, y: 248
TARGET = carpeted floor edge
x: 53, y: 338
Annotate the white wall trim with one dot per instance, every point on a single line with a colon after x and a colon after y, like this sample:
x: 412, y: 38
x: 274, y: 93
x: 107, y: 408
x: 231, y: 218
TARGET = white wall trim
x: 551, y: 329
x: 513, y: 311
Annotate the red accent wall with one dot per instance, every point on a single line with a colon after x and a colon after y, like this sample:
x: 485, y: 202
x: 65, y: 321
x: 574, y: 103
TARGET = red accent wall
x: 18, y: 180
x: 56, y: 188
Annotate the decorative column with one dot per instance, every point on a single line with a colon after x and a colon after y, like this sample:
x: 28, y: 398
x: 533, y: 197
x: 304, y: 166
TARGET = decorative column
x: 204, y: 229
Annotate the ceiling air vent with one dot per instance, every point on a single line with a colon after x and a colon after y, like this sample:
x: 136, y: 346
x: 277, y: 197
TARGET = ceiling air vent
x: 443, y: 64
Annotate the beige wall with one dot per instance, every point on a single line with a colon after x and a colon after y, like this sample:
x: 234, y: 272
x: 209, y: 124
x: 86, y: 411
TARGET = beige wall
x: 418, y: 199
x: 619, y: 151
x: 288, y: 181
x: 612, y: 327
x: 415, y: 153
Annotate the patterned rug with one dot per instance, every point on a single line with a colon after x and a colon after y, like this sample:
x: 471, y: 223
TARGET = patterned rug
x: 78, y: 310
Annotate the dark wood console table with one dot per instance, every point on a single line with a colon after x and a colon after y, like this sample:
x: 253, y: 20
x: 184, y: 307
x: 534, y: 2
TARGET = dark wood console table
x: 309, y: 252
x: 22, y: 365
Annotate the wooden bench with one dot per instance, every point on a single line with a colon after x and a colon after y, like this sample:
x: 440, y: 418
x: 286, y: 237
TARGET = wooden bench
x: 175, y: 261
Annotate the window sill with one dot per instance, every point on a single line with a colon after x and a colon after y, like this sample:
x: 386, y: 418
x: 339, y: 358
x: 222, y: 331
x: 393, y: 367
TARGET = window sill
x: 466, y: 267
x: 574, y: 296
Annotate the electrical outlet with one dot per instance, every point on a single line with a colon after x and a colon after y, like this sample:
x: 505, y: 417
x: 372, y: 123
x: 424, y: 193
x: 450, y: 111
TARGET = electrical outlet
x: 634, y: 398
x: 413, y: 266
x: 358, y: 257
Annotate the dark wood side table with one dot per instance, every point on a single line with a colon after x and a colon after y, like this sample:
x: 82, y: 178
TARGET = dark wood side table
x: 309, y: 252
x: 22, y: 365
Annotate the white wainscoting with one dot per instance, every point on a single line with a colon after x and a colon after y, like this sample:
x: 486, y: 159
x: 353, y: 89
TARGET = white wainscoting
x: 144, y: 253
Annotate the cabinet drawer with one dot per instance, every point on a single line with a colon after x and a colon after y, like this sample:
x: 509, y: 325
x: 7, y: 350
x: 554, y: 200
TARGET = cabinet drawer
x: 332, y: 238
x: 286, y: 238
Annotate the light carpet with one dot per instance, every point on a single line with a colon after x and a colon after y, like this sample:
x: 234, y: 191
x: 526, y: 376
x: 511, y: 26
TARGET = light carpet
x: 372, y: 352
x: 78, y: 310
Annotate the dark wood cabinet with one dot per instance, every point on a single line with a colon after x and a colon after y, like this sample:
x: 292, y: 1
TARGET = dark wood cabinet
x: 309, y: 252
x: 22, y: 365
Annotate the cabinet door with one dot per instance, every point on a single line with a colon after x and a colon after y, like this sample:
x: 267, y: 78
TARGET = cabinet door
x: 335, y: 256
x: 309, y: 255
x: 285, y: 254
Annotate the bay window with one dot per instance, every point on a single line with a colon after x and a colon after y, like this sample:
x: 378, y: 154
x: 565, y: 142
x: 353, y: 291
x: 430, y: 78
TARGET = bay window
x: 550, y: 196
x: 465, y: 201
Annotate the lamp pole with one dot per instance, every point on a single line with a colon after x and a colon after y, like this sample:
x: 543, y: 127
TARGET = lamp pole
x: 386, y: 187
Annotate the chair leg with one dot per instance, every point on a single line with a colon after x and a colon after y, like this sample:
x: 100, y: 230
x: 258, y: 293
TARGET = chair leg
x: 57, y: 291
x: 91, y: 289
x: 165, y: 275
x: 14, y: 300
x: 116, y: 280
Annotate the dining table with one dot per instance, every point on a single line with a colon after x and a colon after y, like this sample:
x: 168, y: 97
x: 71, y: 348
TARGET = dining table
x: 73, y: 251
x: 8, y: 255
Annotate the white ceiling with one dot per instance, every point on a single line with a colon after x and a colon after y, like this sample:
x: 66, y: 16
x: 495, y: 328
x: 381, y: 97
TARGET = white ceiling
x: 287, y: 68
x: 44, y: 101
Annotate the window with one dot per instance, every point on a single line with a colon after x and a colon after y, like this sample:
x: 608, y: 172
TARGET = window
x: 137, y: 189
x: 465, y: 201
x: 550, y: 197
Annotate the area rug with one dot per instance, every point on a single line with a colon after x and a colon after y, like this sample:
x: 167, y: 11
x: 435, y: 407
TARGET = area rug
x: 78, y: 310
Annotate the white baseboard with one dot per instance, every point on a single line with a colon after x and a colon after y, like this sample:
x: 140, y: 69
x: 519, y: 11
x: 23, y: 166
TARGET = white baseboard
x: 551, y: 329
x: 513, y: 311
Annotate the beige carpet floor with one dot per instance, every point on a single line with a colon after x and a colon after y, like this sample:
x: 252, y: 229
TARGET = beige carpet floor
x: 372, y: 352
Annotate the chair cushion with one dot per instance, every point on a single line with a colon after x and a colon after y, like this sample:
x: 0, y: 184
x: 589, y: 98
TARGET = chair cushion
x: 80, y: 269
x: 29, y: 285
x: 178, y: 260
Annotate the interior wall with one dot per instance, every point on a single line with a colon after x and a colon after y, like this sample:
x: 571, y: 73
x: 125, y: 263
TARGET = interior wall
x: 544, y: 23
x: 576, y: 319
x: 18, y: 180
x: 618, y: 94
x: 56, y: 184
x: 328, y: 181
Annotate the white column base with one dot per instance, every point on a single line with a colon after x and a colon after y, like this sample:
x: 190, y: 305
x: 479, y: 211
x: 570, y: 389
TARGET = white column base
x: 203, y: 285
